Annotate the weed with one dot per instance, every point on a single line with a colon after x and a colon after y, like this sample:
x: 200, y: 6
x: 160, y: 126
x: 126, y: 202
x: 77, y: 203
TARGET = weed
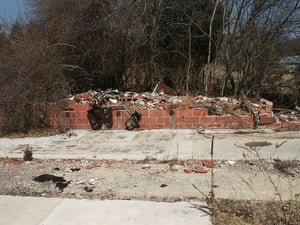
x: 242, y: 212
x: 289, y: 167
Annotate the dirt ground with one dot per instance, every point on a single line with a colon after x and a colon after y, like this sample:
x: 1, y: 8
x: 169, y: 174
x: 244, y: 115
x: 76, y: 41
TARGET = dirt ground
x: 150, y: 179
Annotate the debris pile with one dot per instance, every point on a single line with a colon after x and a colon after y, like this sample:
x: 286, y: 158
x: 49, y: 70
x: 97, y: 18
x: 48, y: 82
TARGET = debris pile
x: 103, y: 103
x: 159, y: 99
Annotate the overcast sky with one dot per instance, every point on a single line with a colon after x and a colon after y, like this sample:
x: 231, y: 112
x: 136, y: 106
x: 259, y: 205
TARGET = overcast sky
x: 10, y: 9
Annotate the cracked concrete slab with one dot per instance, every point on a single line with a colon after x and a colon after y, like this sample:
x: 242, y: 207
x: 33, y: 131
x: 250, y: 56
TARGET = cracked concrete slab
x: 159, y: 144
x: 49, y: 211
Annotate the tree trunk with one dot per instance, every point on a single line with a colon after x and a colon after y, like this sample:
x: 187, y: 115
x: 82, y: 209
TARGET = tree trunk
x: 208, y: 68
x: 189, y: 61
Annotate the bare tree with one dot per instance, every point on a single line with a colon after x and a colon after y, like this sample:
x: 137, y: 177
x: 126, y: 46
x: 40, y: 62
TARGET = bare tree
x: 251, y: 30
x: 126, y: 44
x: 208, y: 69
x: 29, y: 76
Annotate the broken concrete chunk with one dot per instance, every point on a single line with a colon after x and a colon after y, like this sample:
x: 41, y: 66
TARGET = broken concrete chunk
x: 146, y: 166
x: 200, y: 170
x: 188, y: 170
x: 230, y: 162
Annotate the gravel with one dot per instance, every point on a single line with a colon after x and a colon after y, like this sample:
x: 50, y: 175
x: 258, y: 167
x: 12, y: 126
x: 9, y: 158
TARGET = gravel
x: 144, y: 179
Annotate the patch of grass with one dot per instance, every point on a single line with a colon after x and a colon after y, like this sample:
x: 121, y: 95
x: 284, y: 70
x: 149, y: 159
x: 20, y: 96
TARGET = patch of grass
x: 289, y: 167
x: 35, y: 133
x: 239, y: 212
x: 275, y: 212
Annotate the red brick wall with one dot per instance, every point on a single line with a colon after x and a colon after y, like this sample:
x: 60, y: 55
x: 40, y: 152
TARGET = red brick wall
x: 151, y: 118
x: 77, y: 115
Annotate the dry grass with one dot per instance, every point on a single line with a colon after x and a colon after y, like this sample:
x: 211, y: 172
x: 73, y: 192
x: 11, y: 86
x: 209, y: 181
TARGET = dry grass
x: 232, y: 212
x: 242, y: 212
x: 35, y: 133
x: 289, y: 167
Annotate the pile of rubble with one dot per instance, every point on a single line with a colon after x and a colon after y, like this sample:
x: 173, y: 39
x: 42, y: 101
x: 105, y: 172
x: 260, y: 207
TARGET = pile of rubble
x: 163, y: 97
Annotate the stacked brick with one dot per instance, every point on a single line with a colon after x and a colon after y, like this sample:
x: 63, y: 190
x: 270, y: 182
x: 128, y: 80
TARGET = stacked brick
x: 265, y: 112
x: 179, y: 118
x: 76, y: 113
x: 164, y: 116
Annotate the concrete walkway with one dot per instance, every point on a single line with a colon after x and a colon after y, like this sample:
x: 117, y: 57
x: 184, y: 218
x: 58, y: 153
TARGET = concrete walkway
x: 120, y: 144
x: 54, y: 211
x: 159, y: 144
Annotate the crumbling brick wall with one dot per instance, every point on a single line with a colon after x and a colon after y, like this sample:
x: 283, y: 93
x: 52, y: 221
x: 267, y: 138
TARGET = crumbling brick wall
x: 77, y: 116
x: 179, y: 118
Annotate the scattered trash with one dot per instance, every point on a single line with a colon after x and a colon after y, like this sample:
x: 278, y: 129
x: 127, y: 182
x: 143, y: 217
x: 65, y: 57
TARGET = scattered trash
x: 81, y: 182
x: 188, y: 170
x: 103, y: 103
x: 163, y: 96
x: 163, y: 89
x: 173, y: 168
x: 90, y: 181
x: 215, y: 110
x: 88, y: 189
x: 92, y: 166
x: 146, y: 166
x: 75, y: 169
x: 230, y: 162
x: 70, y: 133
x: 286, y: 116
x: 59, y: 182
x: 108, y: 162
x: 133, y: 121
x: 200, y: 170
x: 208, y: 163
x: 100, y: 116
x: 13, y: 161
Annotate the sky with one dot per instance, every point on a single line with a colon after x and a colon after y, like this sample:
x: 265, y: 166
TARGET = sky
x: 10, y: 9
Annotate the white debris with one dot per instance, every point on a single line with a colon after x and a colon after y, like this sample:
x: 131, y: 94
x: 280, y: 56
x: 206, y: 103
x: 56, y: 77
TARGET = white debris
x: 92, y: 181
x: 230, y: 162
